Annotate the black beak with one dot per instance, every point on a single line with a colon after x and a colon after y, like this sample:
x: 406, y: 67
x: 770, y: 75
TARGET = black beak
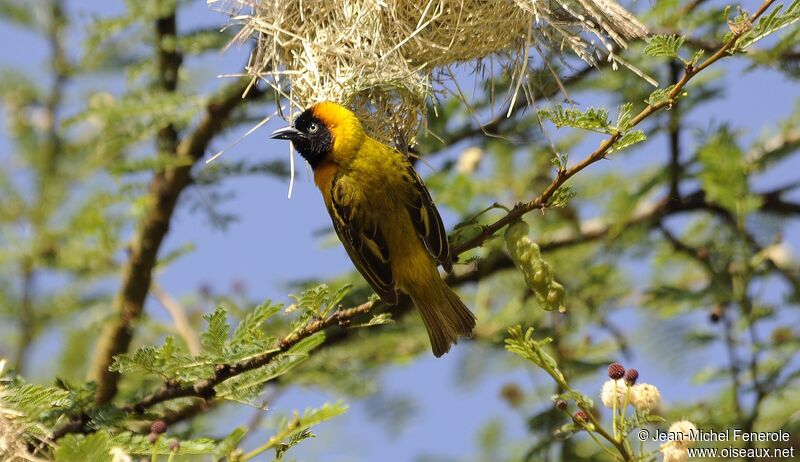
x: 286, y: 133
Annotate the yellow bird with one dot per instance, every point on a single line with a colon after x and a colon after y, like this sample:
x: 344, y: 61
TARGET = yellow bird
x: 384, y: 216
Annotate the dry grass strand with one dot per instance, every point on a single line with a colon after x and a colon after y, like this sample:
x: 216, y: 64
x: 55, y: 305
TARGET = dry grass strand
x: 383, y: 57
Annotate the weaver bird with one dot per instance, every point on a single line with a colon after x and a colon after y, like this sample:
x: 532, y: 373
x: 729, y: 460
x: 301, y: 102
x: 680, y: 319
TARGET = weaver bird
x: 384, y: 216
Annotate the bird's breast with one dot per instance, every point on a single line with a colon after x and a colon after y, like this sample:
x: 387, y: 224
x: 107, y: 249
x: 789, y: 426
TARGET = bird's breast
x: 324, y: 175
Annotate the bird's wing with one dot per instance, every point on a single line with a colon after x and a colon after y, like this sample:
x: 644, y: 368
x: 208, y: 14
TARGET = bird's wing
x: 363, y: 240
x: 427, y: 221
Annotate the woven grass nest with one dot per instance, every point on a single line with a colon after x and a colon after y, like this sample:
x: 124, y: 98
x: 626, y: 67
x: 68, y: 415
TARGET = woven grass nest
x: 387, y: 58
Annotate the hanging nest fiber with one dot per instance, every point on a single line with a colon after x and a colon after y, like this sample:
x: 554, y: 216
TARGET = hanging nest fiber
x: 384, y: 58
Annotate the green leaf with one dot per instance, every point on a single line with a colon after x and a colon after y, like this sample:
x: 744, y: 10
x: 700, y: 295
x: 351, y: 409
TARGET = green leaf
x: 152, y: 111
x: 624, y: 117
x: 216, y: 336
x: 251, y: 327
x: 666, y: 46
x: 769, y: 24
x: 319, y: 301
x: 525, y: 346
x: 561, y: 197
x: 376, y: 320
x: 93, y: 447
x: 294, y: 440
x: 307, y: 344
x: 138, y: 444
x: 149, y: 163
x: 249, y: 384
x: 593, y: 119
x: 167, y: 361
x: 19, y: 12
x: 298, y: 426
x: 659, y: 95
x: 33, y: 400
x: 724, y: 174
x: 202, y: 40
x: 229, y: 444
x: 627, y: 140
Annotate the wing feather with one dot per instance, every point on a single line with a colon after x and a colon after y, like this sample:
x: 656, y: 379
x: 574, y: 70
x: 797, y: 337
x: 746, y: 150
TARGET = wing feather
x: 364, y: 242
x: 427, y: 221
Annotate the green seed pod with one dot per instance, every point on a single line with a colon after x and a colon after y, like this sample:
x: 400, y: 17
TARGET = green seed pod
x: 555, y: 297
x: 538, y: 274
x: 539, y: 277
x: 537, y: 253
x: 515, y: 232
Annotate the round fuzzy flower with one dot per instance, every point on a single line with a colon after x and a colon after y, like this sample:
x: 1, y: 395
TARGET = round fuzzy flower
x: 616, y: 371
x: 645, y: 396
x: 631, y: 375
x: 611, y: 387
x: 683, y: 431
x: 674, y: 453
x: 119, y: 455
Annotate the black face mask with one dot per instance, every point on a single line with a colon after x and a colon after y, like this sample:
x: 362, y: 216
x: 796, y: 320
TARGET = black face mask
x: 311, y: 138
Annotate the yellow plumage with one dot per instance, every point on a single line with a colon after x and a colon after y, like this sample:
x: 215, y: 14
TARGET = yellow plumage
x: 384, y: 216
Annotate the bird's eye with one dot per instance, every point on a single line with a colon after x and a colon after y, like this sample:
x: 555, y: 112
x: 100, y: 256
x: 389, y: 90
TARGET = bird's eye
x: 313, y: 128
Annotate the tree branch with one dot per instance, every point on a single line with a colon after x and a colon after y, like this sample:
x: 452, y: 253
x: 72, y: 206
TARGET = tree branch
x: 168, y: 64
x: 674, y: 132
x: 205, y: 388
x: 165, y: 189
x: 605, y: 147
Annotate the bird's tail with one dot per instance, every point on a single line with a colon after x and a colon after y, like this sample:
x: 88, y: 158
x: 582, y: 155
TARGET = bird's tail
x: 445, y: 316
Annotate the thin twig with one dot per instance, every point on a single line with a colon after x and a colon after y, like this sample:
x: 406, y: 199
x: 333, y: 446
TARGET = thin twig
x: 605, y: 147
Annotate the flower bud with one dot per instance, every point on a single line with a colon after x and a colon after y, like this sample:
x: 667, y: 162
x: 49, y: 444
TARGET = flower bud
x: 581, y: 417
x: 158, y: 427
x: 616, y: 371
x: 631, y: 375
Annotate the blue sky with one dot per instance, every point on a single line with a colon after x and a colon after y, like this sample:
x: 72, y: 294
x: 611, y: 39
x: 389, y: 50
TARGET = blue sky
x: 267, y: 253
